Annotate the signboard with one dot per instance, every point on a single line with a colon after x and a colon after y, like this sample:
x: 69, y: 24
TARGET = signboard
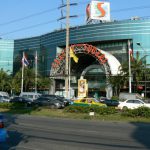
x: 98, y: 11
x: 82, y: 88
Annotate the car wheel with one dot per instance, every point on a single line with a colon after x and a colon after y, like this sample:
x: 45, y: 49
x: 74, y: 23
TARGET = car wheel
x: 125, y: 108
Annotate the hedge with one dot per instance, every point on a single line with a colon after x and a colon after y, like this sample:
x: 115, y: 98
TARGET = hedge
x: 138, y: 112
x: 11, y: 105
x: 87, y: 109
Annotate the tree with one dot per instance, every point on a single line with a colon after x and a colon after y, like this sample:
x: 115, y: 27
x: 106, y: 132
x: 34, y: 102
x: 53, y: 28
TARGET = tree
x: 29, y: 81
x: 138, y: 70
x: 44, y: 83
x: 117, y: 82
x: 4, y: 81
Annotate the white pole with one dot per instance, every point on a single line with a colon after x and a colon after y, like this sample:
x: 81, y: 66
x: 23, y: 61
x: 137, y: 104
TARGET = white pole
x: 22, y: 73
x: 129, y: 51
x: 36, y: 72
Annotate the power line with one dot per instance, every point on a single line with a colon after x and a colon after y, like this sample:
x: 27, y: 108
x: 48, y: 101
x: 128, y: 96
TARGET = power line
x: 29, y: 27
x: 26, y: 17
x: 48, y: 10
x: 29, y: 16
x: 81, y: 3
x: 131, y: 8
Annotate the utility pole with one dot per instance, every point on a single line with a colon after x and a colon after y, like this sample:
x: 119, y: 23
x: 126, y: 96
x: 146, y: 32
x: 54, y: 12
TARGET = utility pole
x: 67, y: 49
x: 67, y: 60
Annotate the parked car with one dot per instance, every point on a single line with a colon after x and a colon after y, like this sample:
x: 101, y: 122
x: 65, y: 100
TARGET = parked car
x: 3, y: 132
x: 60, y: 98
x: 46, y: 101
x: 30, y: 95
x: 4, y: 98
x: 132, y: 104
x: 110, y: 102
x: 102, y: 99
x: 2, y: 93
x: 88, y: 102
x: 21, y: 100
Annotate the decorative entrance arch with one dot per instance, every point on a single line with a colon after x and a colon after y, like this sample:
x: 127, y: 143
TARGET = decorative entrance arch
x: 109, y: 62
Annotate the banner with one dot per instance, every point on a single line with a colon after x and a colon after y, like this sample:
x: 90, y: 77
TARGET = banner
x: 82, y: 88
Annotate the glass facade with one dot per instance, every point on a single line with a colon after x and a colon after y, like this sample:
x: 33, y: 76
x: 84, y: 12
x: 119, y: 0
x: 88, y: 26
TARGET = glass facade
x: 6, y: 55
x: 112, y: 37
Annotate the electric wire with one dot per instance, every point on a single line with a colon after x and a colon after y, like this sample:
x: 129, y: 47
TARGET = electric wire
x: 49, y: 10
x: 81, y: 3
x: 29, y: 27
x: 26, y: 17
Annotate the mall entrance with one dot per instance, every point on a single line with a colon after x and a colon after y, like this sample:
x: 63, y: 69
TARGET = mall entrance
x: 93, y: 64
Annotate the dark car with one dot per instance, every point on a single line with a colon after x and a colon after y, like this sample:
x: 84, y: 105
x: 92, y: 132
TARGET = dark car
x: 3, y: 132
x: 46, y: 101
x: 60, y: 98
x: 110, y: 102
x: 21, y: 100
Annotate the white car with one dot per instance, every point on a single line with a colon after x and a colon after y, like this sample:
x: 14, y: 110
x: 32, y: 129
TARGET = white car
x: 4, y: 99
x: 132, y: 104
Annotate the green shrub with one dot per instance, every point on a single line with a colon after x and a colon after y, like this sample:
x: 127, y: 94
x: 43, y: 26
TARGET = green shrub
x: 87, y: 109
x: 5, y: 105
x: 139, y: 112
x: 11, y: 105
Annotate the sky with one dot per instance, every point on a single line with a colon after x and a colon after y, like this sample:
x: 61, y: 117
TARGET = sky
x: 29, y: 18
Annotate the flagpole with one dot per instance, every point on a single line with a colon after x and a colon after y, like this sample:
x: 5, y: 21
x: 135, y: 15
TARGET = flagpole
x: 129, y: 48
x: 22, y: 73
x: 36, y: 72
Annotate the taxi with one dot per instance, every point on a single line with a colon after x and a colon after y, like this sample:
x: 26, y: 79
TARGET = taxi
x: 88, y: 102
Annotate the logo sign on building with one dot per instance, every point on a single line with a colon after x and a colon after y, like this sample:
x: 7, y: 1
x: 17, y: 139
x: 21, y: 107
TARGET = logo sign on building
x: 82, y: 88
x: 98, y: 10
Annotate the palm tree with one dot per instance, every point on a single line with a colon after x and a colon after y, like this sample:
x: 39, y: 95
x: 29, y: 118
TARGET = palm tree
x: 137, y: 70
x: 117, y: 82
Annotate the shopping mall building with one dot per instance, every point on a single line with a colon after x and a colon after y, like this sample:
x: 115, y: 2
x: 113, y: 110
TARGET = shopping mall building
x: 99, y: 47
x: 109, y: 40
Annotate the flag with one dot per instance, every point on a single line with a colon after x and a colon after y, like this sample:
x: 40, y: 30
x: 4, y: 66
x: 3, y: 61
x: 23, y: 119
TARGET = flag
x: 25, y: 61
x: 130, y: 52
x: 72, y: 55
x: 36, y: 58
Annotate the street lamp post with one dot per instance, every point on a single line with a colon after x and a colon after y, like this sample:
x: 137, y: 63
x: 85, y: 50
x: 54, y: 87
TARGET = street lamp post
x: 139, y: 44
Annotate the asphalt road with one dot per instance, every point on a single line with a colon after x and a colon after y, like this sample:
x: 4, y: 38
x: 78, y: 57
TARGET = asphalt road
x: 42, y: 133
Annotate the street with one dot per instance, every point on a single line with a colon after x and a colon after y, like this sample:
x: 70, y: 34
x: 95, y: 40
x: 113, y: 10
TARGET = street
x: 43, y: 133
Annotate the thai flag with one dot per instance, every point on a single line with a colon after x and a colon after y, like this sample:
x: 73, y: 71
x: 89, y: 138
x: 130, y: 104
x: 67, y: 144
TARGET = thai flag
x: 25, y: 61
x: 130, y: 51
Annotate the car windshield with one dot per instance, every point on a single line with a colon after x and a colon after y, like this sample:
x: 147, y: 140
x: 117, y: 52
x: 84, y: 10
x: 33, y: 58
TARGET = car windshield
x: 96, y: 100
x: 6, y: 97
